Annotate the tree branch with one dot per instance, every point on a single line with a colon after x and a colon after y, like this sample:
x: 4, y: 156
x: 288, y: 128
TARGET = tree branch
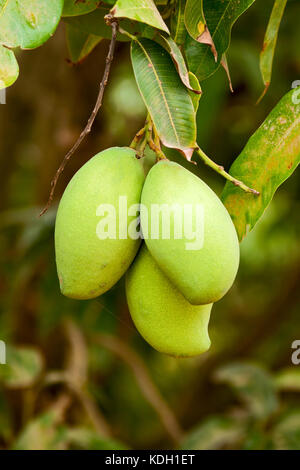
x: 92, y: 117
x: 147, y: 387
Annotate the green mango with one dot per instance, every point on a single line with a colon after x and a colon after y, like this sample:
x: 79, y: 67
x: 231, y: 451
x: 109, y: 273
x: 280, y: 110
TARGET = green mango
x: 161, y: 314
x: 200, y: 258
x: 87, y: 265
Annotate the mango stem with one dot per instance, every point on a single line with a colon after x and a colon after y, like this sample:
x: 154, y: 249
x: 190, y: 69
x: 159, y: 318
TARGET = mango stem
x: 220, y: 169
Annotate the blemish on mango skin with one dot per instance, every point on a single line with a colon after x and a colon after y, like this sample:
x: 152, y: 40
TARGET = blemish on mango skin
x: 282, y: 120
x: 31, y: 19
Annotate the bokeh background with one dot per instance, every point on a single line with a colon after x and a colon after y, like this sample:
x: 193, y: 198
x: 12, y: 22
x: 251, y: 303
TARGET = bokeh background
x: 78, y: 374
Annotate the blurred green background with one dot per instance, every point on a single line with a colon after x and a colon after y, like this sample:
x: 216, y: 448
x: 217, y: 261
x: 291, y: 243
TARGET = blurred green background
x: 78, y: 374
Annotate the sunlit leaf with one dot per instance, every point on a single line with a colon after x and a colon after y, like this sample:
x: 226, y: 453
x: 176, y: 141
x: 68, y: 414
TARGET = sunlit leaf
x: 165, y: 96
x: 44, y: 432
x: 144, y: 11
x: 253, y: 385
x: 286, y: 434
x: 196, y: 24
x: 268, y: 159
x: 288, y: 379
x: 268, y: 50
x: 9, y: 69
x: 179, y: 61
x: 73, y: 7
x: 196, y: 86
x: 178, y: 29
x: 213, y: 433
x: 80, y: 44
x: 220, y: 16
x: 23, y: 367
x: 29, y: 23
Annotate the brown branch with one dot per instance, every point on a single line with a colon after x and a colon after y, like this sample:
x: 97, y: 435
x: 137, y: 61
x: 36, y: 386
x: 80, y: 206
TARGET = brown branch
x: 92, y: 117
x: 147, y: 387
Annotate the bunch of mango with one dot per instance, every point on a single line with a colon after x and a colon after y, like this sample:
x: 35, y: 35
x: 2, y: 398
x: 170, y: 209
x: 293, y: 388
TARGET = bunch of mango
x: 171, y: 284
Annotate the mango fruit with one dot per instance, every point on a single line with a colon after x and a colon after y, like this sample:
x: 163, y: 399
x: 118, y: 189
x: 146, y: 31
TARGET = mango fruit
x: 200, y: 256
x: 166, y: 320
x: 88, y: 264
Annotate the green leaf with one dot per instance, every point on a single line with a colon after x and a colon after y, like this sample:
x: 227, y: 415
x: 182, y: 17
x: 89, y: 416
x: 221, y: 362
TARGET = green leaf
x: 9, y: 69
x: 94, y: 23
x: 286, y: 434
x: 80, y: 44
x: 269, y: 158
x: 22, y: 368
x: 74, y: 8
x: 29, y: 23
x: 196, y: 24
x: 165, y: 96
x: 214, y: 433
x: 288, y: 379
x: 170, y: 45
x: 196, y: 86
x: 84, y: 438
x: 178, y: 29
x: 253, y: 385
x: 144, y: 11
x: 45, y: 431
x: 268, y: 50
x: 220, y: 16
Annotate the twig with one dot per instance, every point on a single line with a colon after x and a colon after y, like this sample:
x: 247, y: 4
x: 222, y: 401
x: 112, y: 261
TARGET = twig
x: 160, y: 154
x: 219, y: 169
x: 138, y: 136
x: 149, y: 390
x: 92, y: 117
x: 97, y: 419
x: 76, y: 373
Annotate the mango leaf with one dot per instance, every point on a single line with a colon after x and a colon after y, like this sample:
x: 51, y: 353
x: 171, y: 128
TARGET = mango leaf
x: 178, y: 60
x: 268, y: 50
x: 143, y: 11
x: 178, y: 29
x: 45, y: 432
x: 286, y: 434
x: 22, y: 368
x: 213, y: 434
x: 270, y: 156
x: 80, y: 44
x: 94, y: 23
x: 85, y: 438
x: 9, y: 69
x: 74, y: 8
x: 196, y: 24
x: 196, y: 86
x: 288, y: 379
x: 220, y: 16
x: 165, y: 96
x: 253, y: 385
x: 29, y: 23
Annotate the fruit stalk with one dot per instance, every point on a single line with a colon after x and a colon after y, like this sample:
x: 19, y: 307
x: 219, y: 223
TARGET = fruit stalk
x: 220, y: 169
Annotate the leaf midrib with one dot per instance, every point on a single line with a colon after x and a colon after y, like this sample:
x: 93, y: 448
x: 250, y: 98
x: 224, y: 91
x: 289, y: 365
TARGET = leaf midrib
x: 162, y: 91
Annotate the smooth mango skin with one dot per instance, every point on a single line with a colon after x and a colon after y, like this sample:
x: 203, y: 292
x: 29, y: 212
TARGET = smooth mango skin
x: 161, y: 314
x: 87, y: 266
x: 204, y: 275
